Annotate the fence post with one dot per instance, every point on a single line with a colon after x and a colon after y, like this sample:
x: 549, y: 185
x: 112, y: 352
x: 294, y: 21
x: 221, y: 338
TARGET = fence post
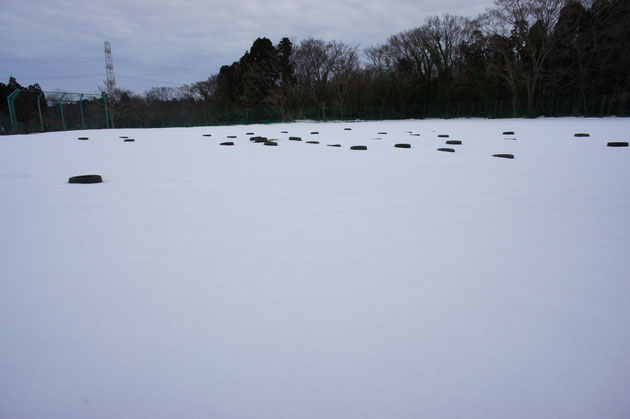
x: 39, y: 109
x: 11, y: 101
x: 81, y: 108
x: 63, y: 121
x: 104, y: 95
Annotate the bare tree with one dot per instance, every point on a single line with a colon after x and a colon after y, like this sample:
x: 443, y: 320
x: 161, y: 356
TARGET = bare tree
x: 345, y: 65
x: 411, y: 47
x: 320, y: 66
x: 502, y: 55
x: 444, y: 36
x: 380, y: 70
x: 204, y: 89
x: 529, y: 26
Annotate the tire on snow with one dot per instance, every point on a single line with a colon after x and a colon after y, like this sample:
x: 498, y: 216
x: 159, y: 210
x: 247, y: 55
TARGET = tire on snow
x: 86, y: 179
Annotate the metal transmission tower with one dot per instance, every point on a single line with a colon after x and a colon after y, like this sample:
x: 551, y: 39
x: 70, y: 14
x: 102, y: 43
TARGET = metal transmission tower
x: 109, y: 68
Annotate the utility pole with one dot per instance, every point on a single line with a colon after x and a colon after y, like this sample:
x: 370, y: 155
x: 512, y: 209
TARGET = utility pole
x: 110, y: 84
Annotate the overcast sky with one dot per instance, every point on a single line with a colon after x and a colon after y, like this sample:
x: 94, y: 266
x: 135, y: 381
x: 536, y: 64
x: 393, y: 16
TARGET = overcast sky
x: 59, y: 43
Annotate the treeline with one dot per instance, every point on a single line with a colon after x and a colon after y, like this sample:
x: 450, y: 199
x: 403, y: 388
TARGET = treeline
x: 521, y: 54
x: 519, y: 50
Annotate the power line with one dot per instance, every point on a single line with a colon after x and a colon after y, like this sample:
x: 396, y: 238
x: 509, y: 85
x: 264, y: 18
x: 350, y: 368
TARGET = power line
x: 87, y: 76
x: 151, y: 80
x: 73, y: 76
x: 157, y: 66
x: 47, y: 60
x: 90, y: 59
x: 127, y: 61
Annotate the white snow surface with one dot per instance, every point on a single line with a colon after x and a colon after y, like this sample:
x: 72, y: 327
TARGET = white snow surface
x: 306, y: 281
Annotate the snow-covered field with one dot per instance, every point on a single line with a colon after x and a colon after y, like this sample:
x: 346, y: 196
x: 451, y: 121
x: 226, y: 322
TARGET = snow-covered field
x: 306, y: 281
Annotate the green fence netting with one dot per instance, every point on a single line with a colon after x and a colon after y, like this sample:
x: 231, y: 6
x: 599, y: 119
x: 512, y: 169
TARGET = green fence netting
x: 38, y: 111
x: 80, y: 111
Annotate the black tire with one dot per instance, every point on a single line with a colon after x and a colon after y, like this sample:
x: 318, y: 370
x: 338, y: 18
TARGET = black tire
x: 207, y: 135
x: 312, y: 142
x: 227, y: 143
x: 260, y: 140
x: 284, y: 132
x: 250, y: 133
x: 581, y: 134
x: 402, y: 145
x: 508, y: 132
x: 415, y: 135
x: 271, y: 143
x: 295, y: 139
x: 333, y: 145
x: 129, y: 140
x: 124, y: 136
x: 448, y: 150
x: 442, y: 135
x: 347, y: 129
x: 381, y: 133
x: 454, y: 142
x: 231, y: 136
x: 83, y: 138
x: 86, y: 179
x: 617, y: 144
x: 314, y: 132
x: 358, y: 147
x: 504, y: 156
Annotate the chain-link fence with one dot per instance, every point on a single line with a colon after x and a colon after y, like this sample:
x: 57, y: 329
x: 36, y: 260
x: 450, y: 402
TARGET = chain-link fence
x: 39, y: 111
x: 592, y: 106
x: 79, y: 111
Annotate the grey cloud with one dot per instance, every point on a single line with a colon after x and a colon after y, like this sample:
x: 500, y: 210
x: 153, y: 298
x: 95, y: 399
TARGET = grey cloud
x: 199, y: 35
